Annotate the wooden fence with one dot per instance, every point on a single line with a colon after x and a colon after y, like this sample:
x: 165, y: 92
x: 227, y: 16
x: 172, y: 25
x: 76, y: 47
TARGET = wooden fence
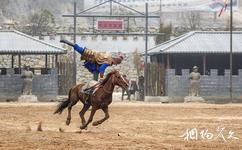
x: 65, y: 77
x: 156, y: 79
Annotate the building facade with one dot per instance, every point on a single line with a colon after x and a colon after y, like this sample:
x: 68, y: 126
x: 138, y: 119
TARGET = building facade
x: 18, y: 50
x: 210, y: 51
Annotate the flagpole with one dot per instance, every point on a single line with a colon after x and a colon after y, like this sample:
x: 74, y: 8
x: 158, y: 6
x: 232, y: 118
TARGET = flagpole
x: 231, y: 49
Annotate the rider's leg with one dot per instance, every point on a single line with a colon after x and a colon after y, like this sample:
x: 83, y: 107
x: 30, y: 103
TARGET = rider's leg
x: 95, y: 76
x: 128, y: 93
x: 123, y: 91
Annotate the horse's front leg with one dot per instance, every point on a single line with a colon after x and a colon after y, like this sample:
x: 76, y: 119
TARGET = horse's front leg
x: 82, y: 113
x: 93, y: 111
x: 105, y: 110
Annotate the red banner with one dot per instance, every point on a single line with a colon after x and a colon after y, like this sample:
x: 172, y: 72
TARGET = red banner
x: 110, y: 25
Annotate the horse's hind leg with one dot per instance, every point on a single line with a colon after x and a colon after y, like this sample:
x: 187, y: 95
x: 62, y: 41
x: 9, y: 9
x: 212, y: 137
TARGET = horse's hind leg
x: 105, y: 110
x: 93, y: 111
x: 82, y: 113
x: 72, y: 103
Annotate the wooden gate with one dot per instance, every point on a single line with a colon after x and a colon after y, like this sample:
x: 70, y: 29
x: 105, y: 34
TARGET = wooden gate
x: 156, y: 79
x: 65, y: 77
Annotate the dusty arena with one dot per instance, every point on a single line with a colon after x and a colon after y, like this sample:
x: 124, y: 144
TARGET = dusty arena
x: 132, y: 125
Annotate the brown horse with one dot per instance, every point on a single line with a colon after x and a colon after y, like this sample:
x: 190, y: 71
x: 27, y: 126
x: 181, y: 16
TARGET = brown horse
x: 100, y: 99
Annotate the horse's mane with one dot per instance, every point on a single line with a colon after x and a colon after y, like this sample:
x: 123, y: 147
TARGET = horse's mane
x: 107, y: 77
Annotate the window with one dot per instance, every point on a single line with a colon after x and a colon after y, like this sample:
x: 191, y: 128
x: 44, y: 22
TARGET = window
x: 94, y: 38
x: 135, y: 38
x: 41, y: 37
x: 52, y: 37
x: 125, y: 38
x: 104, y: 38
x: 114, y: 38
x: 83, y: 37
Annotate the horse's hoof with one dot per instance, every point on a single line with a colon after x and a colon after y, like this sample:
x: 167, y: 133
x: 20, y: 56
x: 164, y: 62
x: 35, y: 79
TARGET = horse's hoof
x: 83, y: 123
x: 95, y: 123
x: 68, y: 122
x: 83, y: 127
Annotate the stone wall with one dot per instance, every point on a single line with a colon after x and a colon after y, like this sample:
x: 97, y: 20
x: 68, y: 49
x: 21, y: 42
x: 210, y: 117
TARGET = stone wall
x: 45, y: 87
x: 213, y: 85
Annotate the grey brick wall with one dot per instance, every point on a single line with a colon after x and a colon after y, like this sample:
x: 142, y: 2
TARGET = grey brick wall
x: 45, y: 87
x: 211, y: 85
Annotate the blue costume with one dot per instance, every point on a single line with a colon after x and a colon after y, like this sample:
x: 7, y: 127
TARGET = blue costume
x: 92, y: 67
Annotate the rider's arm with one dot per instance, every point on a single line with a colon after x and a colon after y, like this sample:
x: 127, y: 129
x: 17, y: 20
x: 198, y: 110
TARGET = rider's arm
x: 102, y: 69
x: 78, y: 49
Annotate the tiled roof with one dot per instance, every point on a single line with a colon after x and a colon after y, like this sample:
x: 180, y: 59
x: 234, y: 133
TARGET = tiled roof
x: 15, y: 42
x: 201, y: 42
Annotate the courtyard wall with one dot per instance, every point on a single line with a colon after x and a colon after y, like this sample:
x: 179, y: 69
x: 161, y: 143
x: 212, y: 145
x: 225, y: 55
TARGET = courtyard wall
x: 212, y: 87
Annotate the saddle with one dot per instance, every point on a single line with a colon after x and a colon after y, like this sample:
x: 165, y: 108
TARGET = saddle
x: 89, y: 88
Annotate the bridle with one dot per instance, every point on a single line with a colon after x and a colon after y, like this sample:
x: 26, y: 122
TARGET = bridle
x: 124, y: 80
x: 110, y: 92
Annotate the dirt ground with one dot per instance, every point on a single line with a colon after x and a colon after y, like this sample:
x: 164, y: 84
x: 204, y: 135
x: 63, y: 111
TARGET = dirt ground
x: 132, y: 125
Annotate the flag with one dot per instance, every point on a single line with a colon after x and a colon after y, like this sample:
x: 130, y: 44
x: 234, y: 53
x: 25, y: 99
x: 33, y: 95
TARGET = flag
x: 223, y: 9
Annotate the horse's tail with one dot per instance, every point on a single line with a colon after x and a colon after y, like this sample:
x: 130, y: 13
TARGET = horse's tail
x: 63, y: 104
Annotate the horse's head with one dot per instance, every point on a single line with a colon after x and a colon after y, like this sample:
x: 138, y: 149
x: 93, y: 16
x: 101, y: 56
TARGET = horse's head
x: 119, y: 80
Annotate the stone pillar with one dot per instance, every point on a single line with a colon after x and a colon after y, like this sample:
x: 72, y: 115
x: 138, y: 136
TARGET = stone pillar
x: 213, y: 72
x: 185, y: 72
x: 227, y: 72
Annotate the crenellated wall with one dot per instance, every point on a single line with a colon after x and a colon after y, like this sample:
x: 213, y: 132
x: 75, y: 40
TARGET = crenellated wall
x: 45, y: 86
x: 212, y: 85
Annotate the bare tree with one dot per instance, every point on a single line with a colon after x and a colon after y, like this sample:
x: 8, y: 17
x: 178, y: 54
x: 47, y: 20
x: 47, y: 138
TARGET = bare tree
x: 40, y: 23
x: 167, y: 30
x: 3, y: 4
x: 191, y: 20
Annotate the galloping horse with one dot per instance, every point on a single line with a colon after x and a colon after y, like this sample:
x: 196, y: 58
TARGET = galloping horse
x: 100, y: 99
